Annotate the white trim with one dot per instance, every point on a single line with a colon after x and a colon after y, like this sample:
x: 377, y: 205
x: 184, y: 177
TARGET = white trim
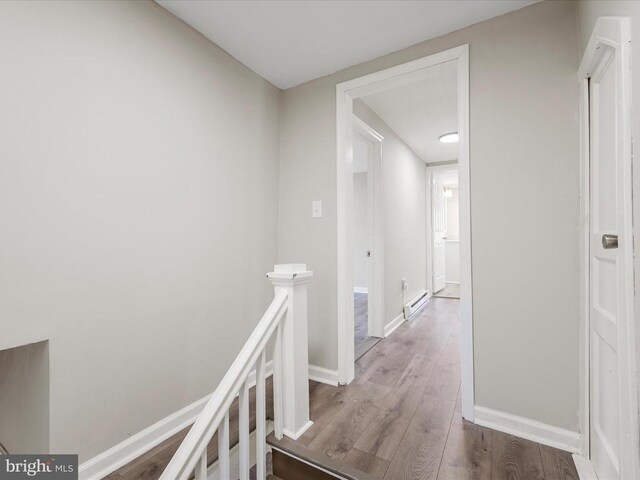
x: 466, y: 285
x: 393, y: 324
x: 611, y: 32
x: 345, y: 93
x: 584, y: 467
x: 135, y: 446
x: 299, y: 433
x: 234, y: 456
x: 323, y: 375
x: 583, y: 414
x: 530, y: 429
x: 306, y: 462
x: 360, y: 290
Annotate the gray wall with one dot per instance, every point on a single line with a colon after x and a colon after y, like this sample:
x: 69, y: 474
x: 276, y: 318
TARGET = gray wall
x: 524, y: 146
x: 404, y: 203
x: 138, y: 203
x: 24, y: 398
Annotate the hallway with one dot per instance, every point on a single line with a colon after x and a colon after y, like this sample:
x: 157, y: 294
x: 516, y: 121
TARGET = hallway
x: 400, y: 418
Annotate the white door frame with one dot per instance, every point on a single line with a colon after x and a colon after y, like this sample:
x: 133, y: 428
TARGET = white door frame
x: 609, y: 33
x: 431, y: 169
x: 374, y: 226
x: 346, y: 92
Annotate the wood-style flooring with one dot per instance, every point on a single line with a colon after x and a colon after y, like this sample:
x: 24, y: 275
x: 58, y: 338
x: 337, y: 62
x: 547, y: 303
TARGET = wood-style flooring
x: 401, y: 417
x: 451, y: 290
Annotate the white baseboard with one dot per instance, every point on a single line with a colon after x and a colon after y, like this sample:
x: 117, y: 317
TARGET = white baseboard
x: 584, y: 467
x: 118, y: 456
x: 360, y: 290
x: 393, y: 324
x: 529, y: 429
x: 323, y: 375
x: 299, y: 433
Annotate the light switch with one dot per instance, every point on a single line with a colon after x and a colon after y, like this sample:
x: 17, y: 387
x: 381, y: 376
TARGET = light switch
x: 316, y: 209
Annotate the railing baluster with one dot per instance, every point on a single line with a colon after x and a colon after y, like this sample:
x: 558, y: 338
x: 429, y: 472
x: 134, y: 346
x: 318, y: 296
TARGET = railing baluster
x: 201, y: 467
x: 223, y: 448
x: 261, y: 418
x: 243, y: 459
x: 286, y: 319
x: 277, y: 384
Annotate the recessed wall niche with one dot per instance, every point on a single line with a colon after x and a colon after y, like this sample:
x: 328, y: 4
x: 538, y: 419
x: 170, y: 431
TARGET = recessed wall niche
x: 24, y: 398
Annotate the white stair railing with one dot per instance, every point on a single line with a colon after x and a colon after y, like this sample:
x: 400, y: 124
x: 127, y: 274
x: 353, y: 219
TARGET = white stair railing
x: 286, y: 320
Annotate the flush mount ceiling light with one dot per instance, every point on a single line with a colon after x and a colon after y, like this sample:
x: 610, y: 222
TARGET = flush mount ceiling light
x: 449, y: 137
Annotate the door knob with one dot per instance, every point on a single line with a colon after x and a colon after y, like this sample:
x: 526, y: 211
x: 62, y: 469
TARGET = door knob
x: 609, y: 241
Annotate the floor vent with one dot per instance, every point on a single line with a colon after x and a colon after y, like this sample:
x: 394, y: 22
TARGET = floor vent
x: 414, y: 305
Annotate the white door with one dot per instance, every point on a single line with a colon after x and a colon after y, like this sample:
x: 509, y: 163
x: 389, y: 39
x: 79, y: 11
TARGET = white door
x: 439, y: 235
x: 611, y: 268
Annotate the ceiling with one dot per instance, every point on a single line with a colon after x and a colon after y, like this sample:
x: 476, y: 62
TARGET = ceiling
x: 292, y: 42
x: 421, y: 112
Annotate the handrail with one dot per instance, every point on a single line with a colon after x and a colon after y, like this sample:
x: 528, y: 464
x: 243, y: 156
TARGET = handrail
x: 190, y: 452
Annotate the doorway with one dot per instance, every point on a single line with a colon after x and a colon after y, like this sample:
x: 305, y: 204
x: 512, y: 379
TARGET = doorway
x: 444, y: 230
x: 609, y: 416
x: 357, y: 88
x: 367, y: 158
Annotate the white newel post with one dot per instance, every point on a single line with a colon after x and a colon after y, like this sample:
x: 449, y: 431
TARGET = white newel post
x: 293, y: 278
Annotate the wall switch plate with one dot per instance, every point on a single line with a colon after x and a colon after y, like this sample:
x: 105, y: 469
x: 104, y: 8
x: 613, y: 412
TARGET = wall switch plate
x: 316, y: 209
x: 405, y: 285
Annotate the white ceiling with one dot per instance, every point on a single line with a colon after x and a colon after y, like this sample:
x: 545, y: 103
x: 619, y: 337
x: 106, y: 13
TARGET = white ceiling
x: 291, y: 42
x: 421, y: 112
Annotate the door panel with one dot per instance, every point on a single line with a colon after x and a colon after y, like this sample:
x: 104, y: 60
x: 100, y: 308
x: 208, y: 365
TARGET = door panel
x: 439, y: 235
x: 607, y: 288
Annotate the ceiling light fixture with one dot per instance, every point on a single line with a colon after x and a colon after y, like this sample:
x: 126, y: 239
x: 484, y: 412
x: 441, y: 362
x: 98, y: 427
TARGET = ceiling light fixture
x: 449, y: 137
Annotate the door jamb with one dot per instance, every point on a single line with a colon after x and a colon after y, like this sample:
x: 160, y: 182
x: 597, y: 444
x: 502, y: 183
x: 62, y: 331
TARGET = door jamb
x: 605, y: 30
x: 375, y: 227
x: 346, y: 92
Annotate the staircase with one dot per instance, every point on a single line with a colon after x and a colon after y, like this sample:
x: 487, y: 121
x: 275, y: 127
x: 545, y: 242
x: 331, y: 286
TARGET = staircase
x: 229, y: 438
x: 284, y: 325
x: 291, y: 461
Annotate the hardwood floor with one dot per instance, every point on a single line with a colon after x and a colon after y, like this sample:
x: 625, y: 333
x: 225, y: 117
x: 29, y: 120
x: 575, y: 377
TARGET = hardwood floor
x: 451, y: 290
x: 401, y: 417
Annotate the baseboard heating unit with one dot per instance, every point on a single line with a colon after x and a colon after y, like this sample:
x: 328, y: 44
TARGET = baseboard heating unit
x: 414, y: 305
